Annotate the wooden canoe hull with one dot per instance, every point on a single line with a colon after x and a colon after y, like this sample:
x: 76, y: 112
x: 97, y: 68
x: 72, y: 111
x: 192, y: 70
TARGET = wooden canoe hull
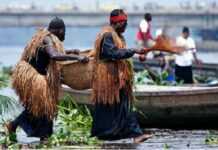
x: 184, y: 108
x: 79, y: 75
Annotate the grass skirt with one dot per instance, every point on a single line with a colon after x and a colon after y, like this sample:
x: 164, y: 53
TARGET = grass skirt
x: 34, y: 91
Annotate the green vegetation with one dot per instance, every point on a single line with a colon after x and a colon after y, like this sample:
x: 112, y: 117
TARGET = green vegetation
x: 5, y: 73
x: 166, y: 146
x: 204, y: 79
x: 212, y: 138
x: 144, y: 77
x: 72, y: 127
x: 7, y: 104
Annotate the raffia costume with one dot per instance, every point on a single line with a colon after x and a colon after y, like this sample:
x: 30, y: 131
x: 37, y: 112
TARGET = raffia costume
x: 112, y: 88
x: 111, y: 76
x: 37, y: 86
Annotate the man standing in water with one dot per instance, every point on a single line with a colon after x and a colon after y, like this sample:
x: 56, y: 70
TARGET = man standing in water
x: 36, y: 80
x: 112, y: 84
x: 183, y: 61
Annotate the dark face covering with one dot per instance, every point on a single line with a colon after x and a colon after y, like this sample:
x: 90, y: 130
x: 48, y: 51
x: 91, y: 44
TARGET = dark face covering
x: 57, y: 27
x: 119, y: 22
x: 61, y: 34
x: 120, y: 27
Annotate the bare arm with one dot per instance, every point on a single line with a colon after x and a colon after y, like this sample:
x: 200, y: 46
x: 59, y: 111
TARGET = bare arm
x: 195, y: 56
x: 55, y: 55
x: 72, y: 51
x: 196, y: 60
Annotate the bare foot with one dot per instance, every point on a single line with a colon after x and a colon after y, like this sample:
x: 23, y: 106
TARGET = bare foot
x: 142, y: 138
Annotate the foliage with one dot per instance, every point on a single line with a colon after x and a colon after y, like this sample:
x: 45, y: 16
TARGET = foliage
x: 212, y: 138
x: 72, y: 127
x: 205, y: 79
x: 166, y: 146
x: 144, y: 77
x: 5, y: 73
x: 8, y: 141
x: 73, y: 124
x: 7, y: 104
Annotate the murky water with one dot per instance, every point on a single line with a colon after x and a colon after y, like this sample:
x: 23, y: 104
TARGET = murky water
x: 162, y: 139
x: 165, y: 139
x: 13, y: 41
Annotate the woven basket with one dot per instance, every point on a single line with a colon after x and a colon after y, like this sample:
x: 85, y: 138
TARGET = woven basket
x: 78, y: 75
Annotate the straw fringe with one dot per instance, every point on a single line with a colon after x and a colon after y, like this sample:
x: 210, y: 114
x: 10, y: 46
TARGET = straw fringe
x: 37, y: 41
x: 110, y: 77
x: 38, y: 93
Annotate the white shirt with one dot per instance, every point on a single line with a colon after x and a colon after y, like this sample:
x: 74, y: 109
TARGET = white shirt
x: 186, y: 57
x: 143, y: 26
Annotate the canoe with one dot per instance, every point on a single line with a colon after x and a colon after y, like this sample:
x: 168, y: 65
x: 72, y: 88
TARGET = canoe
x: 78, y: 75
x: 169, y: 106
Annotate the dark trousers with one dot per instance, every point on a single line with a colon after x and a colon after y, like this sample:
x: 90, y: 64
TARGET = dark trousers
x: 184, y: 74
x: 34, y: 126
x: 117, y: 121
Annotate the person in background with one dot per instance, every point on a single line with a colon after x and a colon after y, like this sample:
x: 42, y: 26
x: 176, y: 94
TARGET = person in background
x: 183, y: 61
x: 143, y: 36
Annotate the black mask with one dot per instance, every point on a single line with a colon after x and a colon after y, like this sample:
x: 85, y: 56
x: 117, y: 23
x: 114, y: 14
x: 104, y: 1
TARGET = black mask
x: 57, y: 27
x: 120, y: 27
x: 60, y: 33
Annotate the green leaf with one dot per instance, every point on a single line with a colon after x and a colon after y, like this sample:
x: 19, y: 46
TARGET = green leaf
x: 7, y: 105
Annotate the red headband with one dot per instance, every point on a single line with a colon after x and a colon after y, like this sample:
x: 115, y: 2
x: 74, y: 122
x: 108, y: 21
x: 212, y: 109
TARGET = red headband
x: 119, y: 18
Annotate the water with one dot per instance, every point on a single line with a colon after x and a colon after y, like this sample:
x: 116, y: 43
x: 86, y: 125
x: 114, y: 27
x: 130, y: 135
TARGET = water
x: 169, y: 139
x: 163, y: 139
x: 13, y: 40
